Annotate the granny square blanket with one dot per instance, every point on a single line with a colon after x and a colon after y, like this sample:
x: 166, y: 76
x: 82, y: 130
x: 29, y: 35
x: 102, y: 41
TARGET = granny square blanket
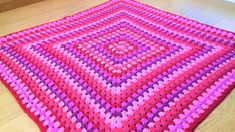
x: 120, y: 66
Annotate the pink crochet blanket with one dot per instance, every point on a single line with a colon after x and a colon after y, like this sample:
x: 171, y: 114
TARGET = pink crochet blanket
x: 120, y: 66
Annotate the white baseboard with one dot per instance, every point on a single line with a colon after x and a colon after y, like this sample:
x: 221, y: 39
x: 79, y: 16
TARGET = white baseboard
x: 233, y: 1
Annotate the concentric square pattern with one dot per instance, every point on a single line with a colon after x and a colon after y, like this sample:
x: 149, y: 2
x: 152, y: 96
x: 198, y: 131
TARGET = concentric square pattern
x: 120, y: 66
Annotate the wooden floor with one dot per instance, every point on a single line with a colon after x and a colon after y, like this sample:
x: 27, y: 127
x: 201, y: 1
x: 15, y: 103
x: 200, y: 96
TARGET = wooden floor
x: 213, y: 12
x: 6, y: 5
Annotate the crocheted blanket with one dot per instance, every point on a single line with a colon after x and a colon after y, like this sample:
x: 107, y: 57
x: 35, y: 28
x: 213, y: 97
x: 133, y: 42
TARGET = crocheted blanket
x: 119, y: 66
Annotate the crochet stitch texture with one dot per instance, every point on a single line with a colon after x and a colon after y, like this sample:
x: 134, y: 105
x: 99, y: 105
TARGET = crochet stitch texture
x: 120, y: 66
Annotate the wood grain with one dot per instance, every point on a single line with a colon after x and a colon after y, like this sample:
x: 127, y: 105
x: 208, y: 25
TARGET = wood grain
x: 6, y: 5
x: 213, y: 12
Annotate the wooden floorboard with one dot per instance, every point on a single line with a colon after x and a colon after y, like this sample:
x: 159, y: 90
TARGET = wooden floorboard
x: 213, y: 12
x: 6, y: 5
